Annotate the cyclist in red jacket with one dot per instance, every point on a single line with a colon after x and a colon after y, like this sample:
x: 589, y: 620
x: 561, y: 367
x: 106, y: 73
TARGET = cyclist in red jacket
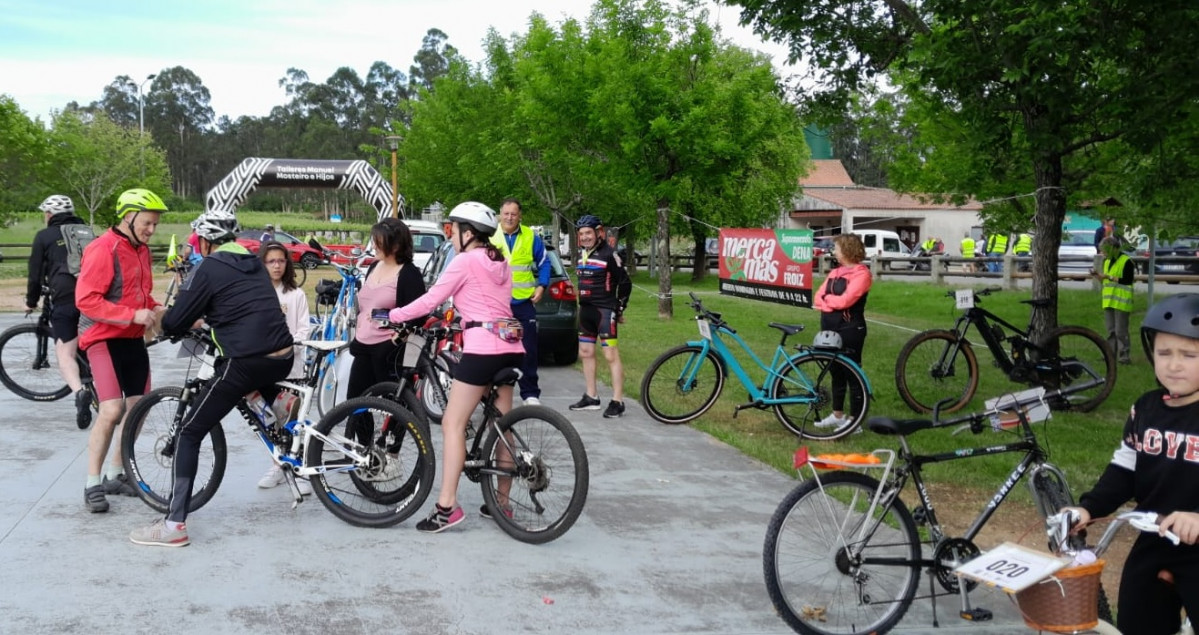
x: 115, y: 302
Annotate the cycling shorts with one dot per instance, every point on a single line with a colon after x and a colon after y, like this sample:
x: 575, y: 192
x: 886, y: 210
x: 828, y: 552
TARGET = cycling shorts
x: 597, y: 323
x: 479, y: 370
x: 64, y: 322
x: 120, y: 368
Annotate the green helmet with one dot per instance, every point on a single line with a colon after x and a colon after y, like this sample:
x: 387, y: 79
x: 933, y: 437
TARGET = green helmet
x: 139, y: 200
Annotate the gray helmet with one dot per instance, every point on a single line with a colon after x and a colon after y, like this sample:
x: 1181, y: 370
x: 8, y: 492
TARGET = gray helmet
x: 478, y: 216
x: 827, y: 339
x: 216, y: 226
x: 57, y: 204
x: 1177, y: 315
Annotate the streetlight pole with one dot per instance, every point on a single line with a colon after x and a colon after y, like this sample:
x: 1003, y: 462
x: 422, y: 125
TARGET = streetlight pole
x: 393, y: 142
x: 141, y: 105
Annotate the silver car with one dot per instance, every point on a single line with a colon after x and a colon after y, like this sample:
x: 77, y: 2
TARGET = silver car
x: 1076, y: 255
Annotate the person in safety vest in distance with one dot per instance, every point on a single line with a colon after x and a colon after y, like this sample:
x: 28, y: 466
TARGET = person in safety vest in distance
x: 530, y: 268
x: 1023, y: 249
x: 996, y: 248
x: 1117, y: 276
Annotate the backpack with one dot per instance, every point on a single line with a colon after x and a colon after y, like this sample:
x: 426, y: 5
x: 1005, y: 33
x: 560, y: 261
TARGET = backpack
x: 75, y: 237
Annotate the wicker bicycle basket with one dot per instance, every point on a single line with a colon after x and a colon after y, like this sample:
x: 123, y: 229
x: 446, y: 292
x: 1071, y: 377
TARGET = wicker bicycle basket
x: 1067, y: 602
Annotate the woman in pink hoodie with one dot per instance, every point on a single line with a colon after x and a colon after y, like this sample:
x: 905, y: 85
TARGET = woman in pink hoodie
x: 479, y: 281
x: 841, y: 301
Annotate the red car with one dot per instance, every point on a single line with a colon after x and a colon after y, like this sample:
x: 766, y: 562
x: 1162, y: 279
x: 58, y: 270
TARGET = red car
x: 301, y: 252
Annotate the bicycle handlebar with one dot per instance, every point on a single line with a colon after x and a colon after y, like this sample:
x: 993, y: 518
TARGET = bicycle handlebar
x: 977, y: 294
x: 704, y: 313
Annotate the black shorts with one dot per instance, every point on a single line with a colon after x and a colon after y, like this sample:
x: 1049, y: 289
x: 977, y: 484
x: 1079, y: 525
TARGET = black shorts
x: 597, y: 323
x: 120, y: 368
x: 64, y: 322
x: 479, y: 370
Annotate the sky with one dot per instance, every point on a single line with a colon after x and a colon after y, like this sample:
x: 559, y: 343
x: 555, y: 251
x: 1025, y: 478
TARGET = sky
x: 56, y: 51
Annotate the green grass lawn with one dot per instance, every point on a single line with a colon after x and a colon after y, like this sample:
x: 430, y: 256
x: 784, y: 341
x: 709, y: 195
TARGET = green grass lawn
x: 1081, y: 443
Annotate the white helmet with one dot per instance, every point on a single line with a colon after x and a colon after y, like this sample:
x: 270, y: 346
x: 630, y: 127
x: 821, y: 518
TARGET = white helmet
x: 57, y: 204
x: 827, y: 339
x: 478, y: 216
x: 216, y: 226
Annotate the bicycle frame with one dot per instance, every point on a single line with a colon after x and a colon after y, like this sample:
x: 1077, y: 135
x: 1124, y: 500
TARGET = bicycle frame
x: 780, y: 362
x: 984, y: 322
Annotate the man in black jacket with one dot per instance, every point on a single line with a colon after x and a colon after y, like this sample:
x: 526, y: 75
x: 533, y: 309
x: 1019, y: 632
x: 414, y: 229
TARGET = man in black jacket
x: 48, y: 265
x: 231, y: 290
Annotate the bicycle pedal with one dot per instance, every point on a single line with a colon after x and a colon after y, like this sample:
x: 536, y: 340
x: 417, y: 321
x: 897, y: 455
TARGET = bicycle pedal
x: 976, y: 614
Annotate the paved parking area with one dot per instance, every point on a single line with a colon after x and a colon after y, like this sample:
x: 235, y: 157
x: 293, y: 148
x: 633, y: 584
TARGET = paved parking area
x: 670, y: 542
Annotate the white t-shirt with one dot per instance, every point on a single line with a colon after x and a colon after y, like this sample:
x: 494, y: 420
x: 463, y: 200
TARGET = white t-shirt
x: 295, y: 309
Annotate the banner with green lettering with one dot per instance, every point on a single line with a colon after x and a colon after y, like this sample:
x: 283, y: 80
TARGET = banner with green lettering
x: 767, y: 264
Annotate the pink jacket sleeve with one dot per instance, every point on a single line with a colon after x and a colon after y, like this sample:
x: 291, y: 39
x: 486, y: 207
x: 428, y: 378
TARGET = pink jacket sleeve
x: 450, y: 281
x: 857, y: 280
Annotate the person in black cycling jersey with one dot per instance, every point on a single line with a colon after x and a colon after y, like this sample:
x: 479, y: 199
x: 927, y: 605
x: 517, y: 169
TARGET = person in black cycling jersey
x: 48, y: 265
x: 604, y: 289
x: 232, y: 292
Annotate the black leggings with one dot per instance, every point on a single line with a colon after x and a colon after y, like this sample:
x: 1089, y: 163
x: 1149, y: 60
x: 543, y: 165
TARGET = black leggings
x: 853, y: 337
x: 1148, y: 605
x: 233, y: 379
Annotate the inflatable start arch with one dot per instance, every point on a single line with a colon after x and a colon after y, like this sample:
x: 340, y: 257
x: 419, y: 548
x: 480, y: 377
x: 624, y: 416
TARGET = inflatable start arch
x: 254, y: 173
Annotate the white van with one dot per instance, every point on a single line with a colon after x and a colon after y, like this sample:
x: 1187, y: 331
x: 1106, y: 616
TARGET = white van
x: 426, y: 238
x: 882, y: 242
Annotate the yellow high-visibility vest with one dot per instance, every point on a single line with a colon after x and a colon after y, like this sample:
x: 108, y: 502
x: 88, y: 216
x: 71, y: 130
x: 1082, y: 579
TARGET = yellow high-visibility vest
x: 1115, y: 295
x: 967, y: 247
x: 520, y: 261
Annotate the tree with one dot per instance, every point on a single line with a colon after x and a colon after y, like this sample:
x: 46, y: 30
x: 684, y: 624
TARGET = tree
x: 431, y: 61
x: 178, y: 111
x: 97, y: 159
x: 24, y: 159
x: 1035, y: 83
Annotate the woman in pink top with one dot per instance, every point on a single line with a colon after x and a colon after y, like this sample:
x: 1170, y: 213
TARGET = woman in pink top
x: 479, y: 281
x: 841, y: 301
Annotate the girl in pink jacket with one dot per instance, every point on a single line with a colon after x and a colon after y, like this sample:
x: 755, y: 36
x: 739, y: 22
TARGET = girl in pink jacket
x: 481, y: 285
x: 841, y: 301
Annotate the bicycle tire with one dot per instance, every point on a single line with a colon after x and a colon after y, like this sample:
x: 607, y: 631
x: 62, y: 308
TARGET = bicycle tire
x: 301, y: 275
x: 1075, y: 349
x: 815, y: 381
x: 663, y: 394
x: 147, y: 451
x: 815, y: 583
x: 31, y: 374
x: 401, y: 467
x: 326, y: 389
x: 924, y: 377
x: 550, y: 453
x: 434, y: 389
x: 1052, y: 494
x: 391, y: 390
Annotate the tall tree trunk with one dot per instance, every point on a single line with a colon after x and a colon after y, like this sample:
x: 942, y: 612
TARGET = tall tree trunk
x: 665, y: 301
x: 1051, y: 213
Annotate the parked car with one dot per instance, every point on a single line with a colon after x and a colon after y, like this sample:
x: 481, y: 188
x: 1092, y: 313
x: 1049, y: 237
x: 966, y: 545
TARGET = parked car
x: 822, y: 246
x: 883, y: 243
x: 1168, y: 257
x: 557, y: 312
x: 301, y: 252
x: 426, y: 238
x: 1076, y: 254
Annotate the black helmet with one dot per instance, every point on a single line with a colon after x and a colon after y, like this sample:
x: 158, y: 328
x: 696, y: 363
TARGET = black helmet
x: 1177, y: 315
x: 588, y: 220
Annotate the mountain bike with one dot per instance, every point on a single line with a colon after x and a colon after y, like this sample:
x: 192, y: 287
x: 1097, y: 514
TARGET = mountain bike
x: 369, y: 460
x: 685, y: 381
x: 843, y: 553
x: 937, y: 363
x: 338, y: 316
x: 28, y: 363
x: 426, y: 369
x: 530, y: 463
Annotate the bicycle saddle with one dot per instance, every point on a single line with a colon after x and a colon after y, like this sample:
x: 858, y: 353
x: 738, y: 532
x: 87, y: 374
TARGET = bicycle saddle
x: 506, y: 377
x: 789, y: 329
x: 889, y: 426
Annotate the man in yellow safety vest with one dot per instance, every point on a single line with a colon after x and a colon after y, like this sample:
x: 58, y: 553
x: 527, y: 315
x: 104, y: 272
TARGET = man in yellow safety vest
x: 968, y: 252
x: 1118, y: 275
x: 530, y: 269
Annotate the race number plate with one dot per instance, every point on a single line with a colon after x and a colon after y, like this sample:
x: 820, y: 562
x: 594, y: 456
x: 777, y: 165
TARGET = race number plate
x: 1011, y: 567
x: 705, y: 330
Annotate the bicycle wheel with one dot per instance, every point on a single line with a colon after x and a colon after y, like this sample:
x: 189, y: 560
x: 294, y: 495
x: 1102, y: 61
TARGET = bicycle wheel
x: 547, y: 483
x: 933, y: 366
x: 1051, y: 495
x: 682, y: 384
x: 823, y: 575
x: 148, y: 451
x: 28, y: 365
x: 393, y: 480
x: 1073, y: 355
x: 434, y: 390
x: 326, y: 389
x: 809, y: 375
x: 407, y: 398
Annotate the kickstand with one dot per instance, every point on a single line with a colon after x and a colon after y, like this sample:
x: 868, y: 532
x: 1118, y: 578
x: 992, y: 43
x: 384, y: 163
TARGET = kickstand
x: 932, y: 593
x: 295, y: 489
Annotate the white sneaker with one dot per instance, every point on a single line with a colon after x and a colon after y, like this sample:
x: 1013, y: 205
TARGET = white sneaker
x: 831, y: 421
x: 272, y: 478
x: 532, y: 401
x: 304, y: 486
